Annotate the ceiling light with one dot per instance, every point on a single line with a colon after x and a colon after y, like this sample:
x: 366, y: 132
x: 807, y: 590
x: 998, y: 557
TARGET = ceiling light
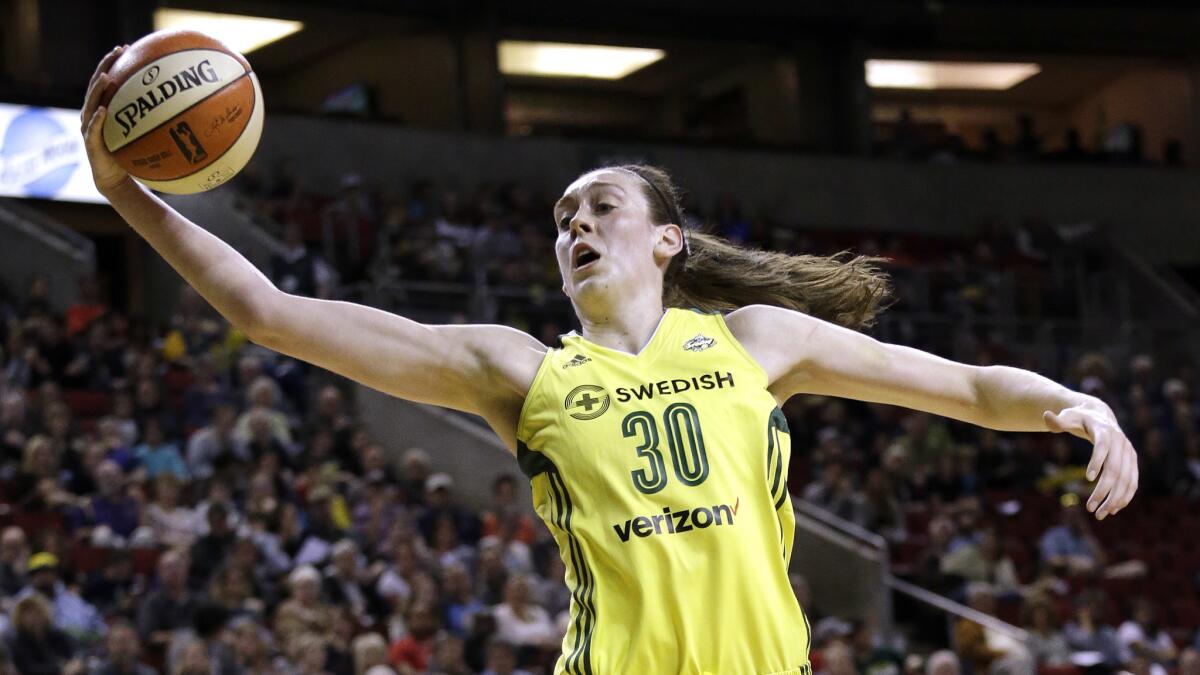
x: 560, y: 59
x: 242, y: 33
x: 889, y: 74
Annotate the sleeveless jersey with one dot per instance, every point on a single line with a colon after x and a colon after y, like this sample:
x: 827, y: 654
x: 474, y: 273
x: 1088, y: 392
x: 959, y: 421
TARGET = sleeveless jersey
x: 663, y: 478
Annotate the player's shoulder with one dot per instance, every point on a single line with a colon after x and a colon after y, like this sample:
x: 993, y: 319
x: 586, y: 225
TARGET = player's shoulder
x: 755, y: 319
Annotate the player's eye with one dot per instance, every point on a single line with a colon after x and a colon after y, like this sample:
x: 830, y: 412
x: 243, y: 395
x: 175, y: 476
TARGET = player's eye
x: 564, y: 222
x: 604, y: 208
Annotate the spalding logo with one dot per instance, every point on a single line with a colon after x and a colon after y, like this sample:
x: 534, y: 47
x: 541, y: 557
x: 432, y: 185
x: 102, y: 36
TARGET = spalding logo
x: 38, y: 154
x: 150, y: 76
x: 192, y: 76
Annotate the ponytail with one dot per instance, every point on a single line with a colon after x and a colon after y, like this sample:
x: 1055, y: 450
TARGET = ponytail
x: 715, y: 274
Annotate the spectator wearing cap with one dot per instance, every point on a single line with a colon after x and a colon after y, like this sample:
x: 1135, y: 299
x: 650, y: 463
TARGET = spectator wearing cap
x: 170, y: 606
x: 14, y: 556
x: 437, y: 497
x: 122, y: 652
x: 70, y: 613
x: 37, y: 647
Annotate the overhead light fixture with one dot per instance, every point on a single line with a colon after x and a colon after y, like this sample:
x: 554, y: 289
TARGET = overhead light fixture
x: 562, y: 59
x: 892, y: 74
x: 242, y: 33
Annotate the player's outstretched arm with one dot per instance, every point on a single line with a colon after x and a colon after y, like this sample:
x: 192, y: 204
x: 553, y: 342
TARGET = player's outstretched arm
x: 480, y: 369
x: 803, y: 354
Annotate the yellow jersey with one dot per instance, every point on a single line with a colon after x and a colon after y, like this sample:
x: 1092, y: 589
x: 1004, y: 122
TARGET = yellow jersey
x: 663, y: 478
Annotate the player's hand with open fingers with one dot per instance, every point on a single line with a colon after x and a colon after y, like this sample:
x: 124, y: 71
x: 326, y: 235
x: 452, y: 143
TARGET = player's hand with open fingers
x: 1113, y: 457
x: 106, y: 173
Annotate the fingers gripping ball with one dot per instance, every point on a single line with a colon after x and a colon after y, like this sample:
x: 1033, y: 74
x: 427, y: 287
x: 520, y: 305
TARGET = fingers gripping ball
x: 185, y: 112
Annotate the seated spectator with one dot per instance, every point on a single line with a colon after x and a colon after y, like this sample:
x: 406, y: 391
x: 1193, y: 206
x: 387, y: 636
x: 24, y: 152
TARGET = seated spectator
x: 37, y: 487
x: 1142, y: 636
x: 158, y: 455
x: 264, y: 397
x: 346, y: 584
x: 110, y: 507
x: 413, y: 652
x: 369, y: 650
x: 212, y: 548
x: 438, y: 499
x: 981, y: 647
x: 71, y: 614
x: 122, y: 652
x: 170, y: 606
x: 207, y: 630
x: 172, y: 524
x: 838, y: 659
x: 502, y: 659
x: 253, y: 649
x: 14, y: 556
x: 504, y: 505
x: 35, y: 645
x: 522, y: 623
x: 1071, y: 545
x: 944, y: 662
x: 303, y: 613
x: 416, y: 473
x: 458, y: 603
x: 1046, y: 642
x: 214, y: 448
x: 449, y: 657
x: 1189, y: 662
x: 112, y: 588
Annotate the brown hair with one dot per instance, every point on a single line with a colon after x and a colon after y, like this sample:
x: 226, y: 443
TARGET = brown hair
x: 715, y: 274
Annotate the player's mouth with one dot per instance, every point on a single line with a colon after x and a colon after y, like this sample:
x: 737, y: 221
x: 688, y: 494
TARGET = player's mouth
x: 583, y: 256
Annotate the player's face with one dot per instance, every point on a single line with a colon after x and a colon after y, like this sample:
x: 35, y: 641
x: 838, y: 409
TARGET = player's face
x: 606, y: 243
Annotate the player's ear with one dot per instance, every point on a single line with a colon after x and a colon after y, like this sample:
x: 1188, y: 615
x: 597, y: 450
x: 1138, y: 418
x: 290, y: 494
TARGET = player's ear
x: 668, y: 241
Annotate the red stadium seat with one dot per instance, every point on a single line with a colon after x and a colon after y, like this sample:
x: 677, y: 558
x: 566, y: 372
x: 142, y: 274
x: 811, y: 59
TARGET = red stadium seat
x: 87, y: 404
x: 145, y: 560
x: 87, y: 559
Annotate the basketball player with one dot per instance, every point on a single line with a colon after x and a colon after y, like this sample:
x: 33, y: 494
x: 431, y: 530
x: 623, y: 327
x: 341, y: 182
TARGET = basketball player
x: 653, y: 440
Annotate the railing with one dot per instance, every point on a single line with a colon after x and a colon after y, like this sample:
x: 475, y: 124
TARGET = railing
x: 36, y: 244
x: 870, y: 546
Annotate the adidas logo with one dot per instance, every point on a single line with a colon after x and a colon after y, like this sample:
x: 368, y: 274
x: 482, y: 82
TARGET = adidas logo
x: 699, y: 343
x: 577, y: 360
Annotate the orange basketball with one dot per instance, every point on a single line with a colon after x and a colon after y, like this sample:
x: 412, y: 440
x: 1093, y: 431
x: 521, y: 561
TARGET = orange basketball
x: 185, y: 112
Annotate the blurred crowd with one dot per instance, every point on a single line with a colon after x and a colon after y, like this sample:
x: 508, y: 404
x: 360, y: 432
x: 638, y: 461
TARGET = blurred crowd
x: 406, y: 241
x: 929, y: 140
x: 178, y: 500
x: 992, y: 520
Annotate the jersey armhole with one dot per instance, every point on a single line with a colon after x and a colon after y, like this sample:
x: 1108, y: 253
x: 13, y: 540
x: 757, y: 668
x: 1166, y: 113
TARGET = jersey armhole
x: 535, y: 390
x: 742, y: 350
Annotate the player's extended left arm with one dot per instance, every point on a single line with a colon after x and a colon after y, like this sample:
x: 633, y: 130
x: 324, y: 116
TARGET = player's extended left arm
x: 803, y: 354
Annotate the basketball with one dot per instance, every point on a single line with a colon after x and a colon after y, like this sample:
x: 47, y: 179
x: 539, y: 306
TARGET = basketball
x: 185, y: 112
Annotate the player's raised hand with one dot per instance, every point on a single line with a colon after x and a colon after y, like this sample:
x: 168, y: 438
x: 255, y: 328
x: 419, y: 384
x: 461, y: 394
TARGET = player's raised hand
x: 106, y: 173
x: 1113, y: 457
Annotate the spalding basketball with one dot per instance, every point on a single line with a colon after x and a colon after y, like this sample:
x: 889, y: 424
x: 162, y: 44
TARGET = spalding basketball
x: 185, y: 112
